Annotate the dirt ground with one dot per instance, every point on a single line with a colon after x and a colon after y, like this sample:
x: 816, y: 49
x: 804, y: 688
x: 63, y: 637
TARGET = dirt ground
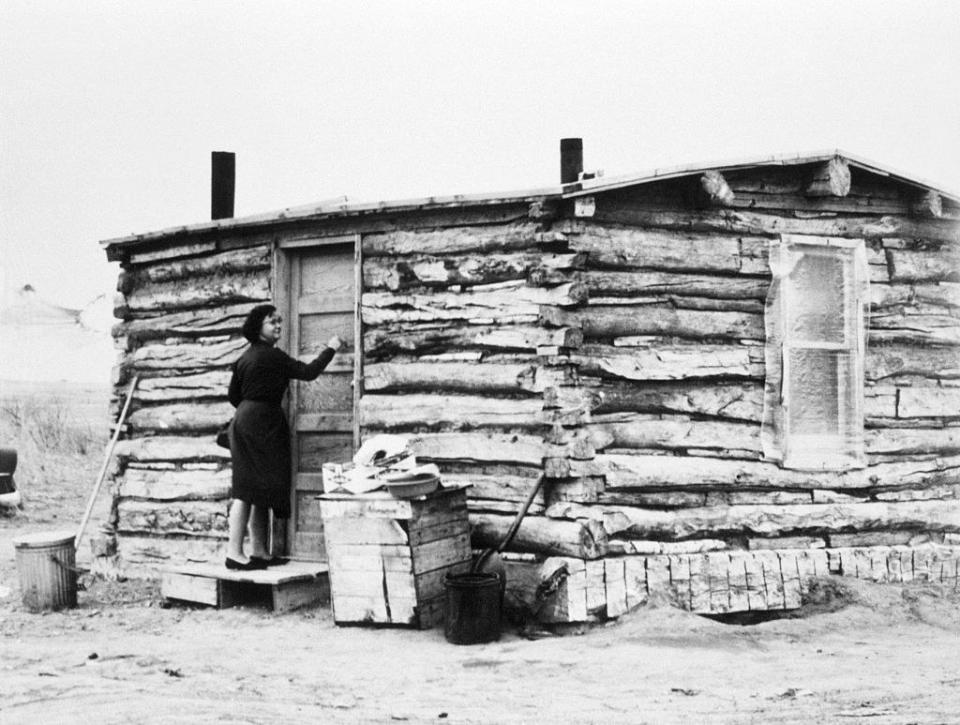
x: 882, y: 654
x: 858, y: 651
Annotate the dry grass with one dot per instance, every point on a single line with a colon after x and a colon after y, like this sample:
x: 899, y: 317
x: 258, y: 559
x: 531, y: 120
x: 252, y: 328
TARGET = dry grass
x: 60, y: 439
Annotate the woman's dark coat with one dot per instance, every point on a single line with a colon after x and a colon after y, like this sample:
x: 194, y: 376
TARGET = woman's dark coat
x: 259, y: 435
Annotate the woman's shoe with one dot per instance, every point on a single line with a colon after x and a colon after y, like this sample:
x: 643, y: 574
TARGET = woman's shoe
x: 272, y: 561
x: 251, y: 565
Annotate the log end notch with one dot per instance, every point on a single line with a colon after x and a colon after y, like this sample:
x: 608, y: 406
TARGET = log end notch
x: 830, y: 179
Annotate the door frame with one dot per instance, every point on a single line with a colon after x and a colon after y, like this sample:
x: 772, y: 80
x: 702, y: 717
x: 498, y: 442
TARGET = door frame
x: 280, y: 284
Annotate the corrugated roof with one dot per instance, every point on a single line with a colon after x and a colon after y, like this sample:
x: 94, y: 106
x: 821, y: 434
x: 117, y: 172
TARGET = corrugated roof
x: 340, y: 207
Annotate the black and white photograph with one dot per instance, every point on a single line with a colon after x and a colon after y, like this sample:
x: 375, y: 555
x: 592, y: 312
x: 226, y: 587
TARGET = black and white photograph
x: 509, y: 362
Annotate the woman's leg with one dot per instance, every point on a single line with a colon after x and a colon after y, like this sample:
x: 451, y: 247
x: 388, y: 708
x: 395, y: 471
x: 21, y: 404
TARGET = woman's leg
x: 237, y: 521
x: 259, y: 536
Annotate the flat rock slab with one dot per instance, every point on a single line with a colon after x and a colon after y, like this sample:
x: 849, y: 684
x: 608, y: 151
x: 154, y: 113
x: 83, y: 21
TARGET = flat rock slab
x: 283, y: 587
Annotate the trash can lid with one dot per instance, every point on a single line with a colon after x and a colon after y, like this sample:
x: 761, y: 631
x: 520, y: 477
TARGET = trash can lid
x: 42, y: 539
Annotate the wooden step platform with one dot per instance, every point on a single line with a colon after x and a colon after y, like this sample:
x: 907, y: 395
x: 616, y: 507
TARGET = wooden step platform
x: 282, y: 588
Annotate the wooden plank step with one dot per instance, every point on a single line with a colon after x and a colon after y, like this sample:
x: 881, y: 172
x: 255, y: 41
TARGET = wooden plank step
x: 283, y: 588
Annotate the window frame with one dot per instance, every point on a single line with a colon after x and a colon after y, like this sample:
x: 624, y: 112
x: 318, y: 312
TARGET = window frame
x: 844, y: 448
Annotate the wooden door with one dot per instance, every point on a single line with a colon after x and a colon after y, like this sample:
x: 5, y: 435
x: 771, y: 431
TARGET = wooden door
x: 320, y: 302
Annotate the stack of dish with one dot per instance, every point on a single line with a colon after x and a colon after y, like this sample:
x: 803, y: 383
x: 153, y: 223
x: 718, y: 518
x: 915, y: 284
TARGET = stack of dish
x: 415, y: 482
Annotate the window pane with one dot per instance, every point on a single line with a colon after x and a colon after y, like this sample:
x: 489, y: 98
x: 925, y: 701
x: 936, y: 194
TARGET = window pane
x: 813, y: 383
x: 822, y: 416
x: 816, y: 302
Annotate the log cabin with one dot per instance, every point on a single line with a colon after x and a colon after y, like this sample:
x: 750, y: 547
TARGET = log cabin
x: 732, y: 377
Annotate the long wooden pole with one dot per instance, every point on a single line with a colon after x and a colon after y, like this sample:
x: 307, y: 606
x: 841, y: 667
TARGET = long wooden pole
x: 106, y: 462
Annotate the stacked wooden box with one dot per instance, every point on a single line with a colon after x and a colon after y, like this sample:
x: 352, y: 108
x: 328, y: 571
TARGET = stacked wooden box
x: 388, y: 557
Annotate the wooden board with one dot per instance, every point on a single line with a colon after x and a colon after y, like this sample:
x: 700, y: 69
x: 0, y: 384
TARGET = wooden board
x: 319, y: 302
x: 285, y: 587
x: 389, y: 557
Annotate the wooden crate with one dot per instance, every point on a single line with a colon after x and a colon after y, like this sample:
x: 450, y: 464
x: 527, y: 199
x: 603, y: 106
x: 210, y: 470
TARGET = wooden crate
x: 388, y: 557
x: 282, y: 588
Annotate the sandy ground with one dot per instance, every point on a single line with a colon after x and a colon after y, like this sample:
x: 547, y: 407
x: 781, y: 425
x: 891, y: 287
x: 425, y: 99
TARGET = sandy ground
x: 881, y: 654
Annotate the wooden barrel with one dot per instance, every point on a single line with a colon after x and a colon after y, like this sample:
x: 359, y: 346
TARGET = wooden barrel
x: 47, y: 566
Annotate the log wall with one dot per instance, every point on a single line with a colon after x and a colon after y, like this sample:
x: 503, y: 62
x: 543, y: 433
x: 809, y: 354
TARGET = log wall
x: 180, y: 312
x: 620, y: 355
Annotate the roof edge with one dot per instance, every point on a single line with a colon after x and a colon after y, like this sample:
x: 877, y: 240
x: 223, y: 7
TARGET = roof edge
x: 338, y: 207
x: 600, y: 184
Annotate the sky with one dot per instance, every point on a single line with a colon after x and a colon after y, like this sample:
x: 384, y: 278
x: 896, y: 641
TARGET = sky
x: 109, y: 110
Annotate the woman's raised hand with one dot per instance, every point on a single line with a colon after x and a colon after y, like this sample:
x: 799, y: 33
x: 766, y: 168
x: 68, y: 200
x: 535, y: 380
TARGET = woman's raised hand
x: 335, y: 342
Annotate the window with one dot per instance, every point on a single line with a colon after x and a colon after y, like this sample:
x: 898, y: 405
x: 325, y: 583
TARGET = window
x: 815, y: 324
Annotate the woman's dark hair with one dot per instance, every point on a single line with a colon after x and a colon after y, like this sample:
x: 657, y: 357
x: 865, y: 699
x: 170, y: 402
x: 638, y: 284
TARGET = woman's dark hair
x: 253, y: 323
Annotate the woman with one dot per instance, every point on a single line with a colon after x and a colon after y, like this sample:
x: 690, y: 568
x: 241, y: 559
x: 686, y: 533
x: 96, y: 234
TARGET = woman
x: 259, y: 435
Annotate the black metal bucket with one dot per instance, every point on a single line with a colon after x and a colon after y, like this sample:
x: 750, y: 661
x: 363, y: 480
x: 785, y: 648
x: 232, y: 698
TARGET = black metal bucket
x: 473, y: 603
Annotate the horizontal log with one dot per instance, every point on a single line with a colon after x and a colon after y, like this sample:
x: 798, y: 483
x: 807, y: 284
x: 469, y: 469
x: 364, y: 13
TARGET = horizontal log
x: 912, y: 440
x: 792, y: 203
x: 885, y: 361
x: 465, y: 376
x: 492, y: 506
x: 928, y: 493
x: 425, y: 338
x: 623, y: 547
x: 642, y: 472
x: 176, y: 517
x: 682, y: 302
x: 211, y: 384
x: 788, y: 542
x: 175, y: 485
x: 619, y: 247
x: 917, y: 325
x: 480, y: 446
x: 238, y: 261
x: 207, y: 291
x: 654, y: 499
x: 192, y: 323
x: 632, y: 430
x: 509, y: 489
x: 909, y: 265
x: 178, y: 354
x: 928, y: 402
x: 181, y: 417
x: 394, y: 273
x: 914, y: 335
x: 877, y: 538
x: 609, y: 321
x: 457, y: 412
x: 680, y: 284
x: 140, y: 552
x: 540, y: 535
x: 938, y: 295
x: 510, y: 301
x: 457, y: 240
x: 755, y: 223
x: 628, y: 522
x: 761, y: 498
x: 671, y: 362
x: 171, y: 448
x: 162, y: 251
x: 739, y: 401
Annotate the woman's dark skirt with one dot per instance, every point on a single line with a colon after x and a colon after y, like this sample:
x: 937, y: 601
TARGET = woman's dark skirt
x: 260, y: 449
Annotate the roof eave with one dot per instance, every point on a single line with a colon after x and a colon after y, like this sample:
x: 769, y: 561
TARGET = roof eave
x: 328, y: 210
x: 598, y: 185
